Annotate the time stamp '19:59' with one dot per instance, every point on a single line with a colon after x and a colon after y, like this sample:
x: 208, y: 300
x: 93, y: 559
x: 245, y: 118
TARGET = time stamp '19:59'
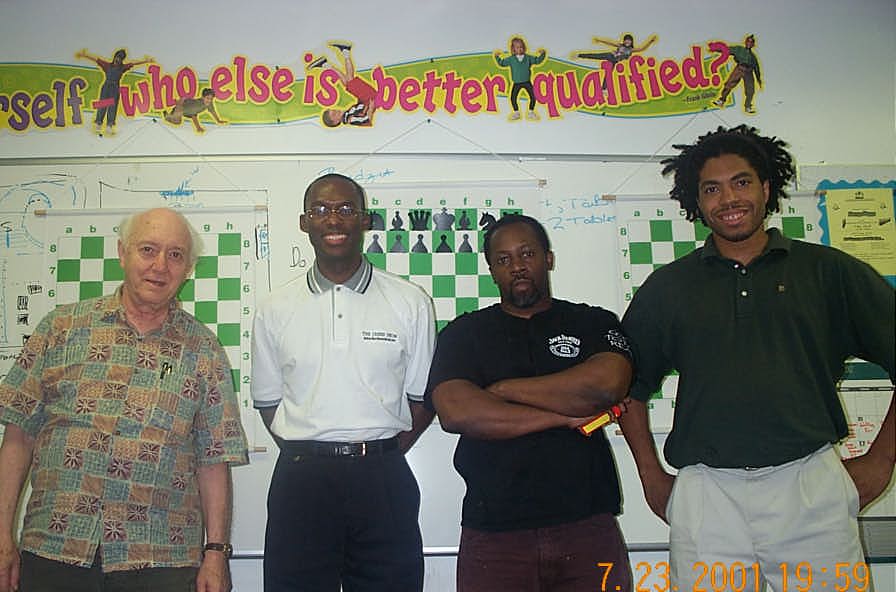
x: 743, y: 577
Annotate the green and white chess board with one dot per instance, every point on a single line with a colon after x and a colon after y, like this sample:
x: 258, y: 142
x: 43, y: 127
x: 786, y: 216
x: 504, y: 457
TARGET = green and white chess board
x: 445, y: 260
x: 82, y: 262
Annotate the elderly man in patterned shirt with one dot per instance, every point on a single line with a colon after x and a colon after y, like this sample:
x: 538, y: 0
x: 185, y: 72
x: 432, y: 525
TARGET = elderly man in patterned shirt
x: 124, y: 411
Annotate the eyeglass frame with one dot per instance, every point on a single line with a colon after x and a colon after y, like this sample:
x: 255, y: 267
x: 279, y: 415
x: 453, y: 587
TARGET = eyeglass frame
x: 325, y: 211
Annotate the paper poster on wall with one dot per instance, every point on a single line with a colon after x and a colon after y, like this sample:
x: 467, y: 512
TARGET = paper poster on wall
x: 861, y: 224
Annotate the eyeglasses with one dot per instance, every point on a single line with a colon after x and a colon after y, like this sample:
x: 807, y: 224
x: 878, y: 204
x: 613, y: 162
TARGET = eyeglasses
x: 345, y: 210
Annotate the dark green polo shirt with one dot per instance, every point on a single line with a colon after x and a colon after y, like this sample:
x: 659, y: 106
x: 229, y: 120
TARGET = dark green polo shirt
x: 759, y: 348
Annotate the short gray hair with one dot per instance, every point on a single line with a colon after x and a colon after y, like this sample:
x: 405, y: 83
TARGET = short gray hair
x: 126, y: 231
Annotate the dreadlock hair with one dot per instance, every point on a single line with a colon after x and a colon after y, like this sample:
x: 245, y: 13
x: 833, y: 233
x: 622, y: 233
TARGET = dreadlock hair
x: 767, y: 155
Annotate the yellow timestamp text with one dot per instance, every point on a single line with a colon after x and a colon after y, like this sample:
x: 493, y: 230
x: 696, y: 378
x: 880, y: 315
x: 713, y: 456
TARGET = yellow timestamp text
x: 747, y: 577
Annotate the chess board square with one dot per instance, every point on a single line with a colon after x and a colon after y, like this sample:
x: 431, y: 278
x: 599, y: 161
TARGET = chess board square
x: 110, y: 247
x: 92, y: 269
x: 465, y: 219
x: 187, y: 292
x: 229, y: 266
x: 205, y: 311
x: 229, y: 288
x: 206, y: 267
x: 793, y: 227
x: 466, y: 263
x: 206, y: 289
x: 235, y: 377
x: 229, y: 309
x: 398, y: 263
x: 68, y: 270
x: 663, y: 252
x: 421, y: 263
x: 443, y: 286
x: 701, y: 231
x: 89, y: 290
x: 661, y: 230
x: 229, y: 243
x: 92, y: 247
x: 443, y: 264
x: 377, y: 259
x: 639, y: 252
x: 638, y: 231
x: 462, y: 305
x: 442, y: 241
x: 682, y: 230
x: 640, y: 273
x: 424, y: 281
x: 420, y: 219
x: 228, y: 333
x: 112, y: 270
x: 682, y: 248
x: 488, y: 287
x: 397, y: 241
x: 444, y: 308
x: 466, y: 286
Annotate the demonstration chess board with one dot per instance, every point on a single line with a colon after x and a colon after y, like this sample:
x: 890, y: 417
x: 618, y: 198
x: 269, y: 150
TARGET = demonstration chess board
x: 439, y: 249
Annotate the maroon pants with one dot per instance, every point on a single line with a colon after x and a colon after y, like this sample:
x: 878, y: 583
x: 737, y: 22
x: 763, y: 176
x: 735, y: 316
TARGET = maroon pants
x: 573, y: 557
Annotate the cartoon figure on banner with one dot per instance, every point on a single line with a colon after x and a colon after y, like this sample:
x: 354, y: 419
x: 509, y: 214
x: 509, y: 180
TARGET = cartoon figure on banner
x: 621, y: 51
x: 107, y: 104
x: 520, y: 64
x: 361, y: 113
x: 192, y: 107
x: 746, y: 68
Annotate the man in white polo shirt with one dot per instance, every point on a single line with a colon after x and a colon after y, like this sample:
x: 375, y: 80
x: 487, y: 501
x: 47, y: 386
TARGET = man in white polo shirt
x: 340, y: 361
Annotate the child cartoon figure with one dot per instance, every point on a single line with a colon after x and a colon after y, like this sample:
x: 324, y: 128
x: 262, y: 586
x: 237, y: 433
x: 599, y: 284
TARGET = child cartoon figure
x: 361, y: 113
x: 107, y: 104
x: 520, y: 64
x: 190, y: 107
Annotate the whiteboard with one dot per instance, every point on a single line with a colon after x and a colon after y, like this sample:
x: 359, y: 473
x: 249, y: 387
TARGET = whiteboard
x: 568, y: 196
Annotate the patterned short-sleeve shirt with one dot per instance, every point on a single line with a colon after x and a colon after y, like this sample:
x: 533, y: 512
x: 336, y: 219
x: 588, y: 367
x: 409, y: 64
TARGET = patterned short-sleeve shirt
x: 121, y: 422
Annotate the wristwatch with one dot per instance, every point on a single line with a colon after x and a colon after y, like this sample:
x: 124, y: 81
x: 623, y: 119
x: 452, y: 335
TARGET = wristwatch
x: 225, y: 548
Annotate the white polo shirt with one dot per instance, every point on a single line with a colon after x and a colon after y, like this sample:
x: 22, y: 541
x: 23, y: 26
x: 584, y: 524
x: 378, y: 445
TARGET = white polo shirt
x: 340, y: 361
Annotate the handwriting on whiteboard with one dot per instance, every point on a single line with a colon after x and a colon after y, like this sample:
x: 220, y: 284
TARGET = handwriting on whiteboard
x: 579, y: 211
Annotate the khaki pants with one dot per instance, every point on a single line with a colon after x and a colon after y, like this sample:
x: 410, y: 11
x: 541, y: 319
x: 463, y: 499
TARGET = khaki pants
x: 766, y: 524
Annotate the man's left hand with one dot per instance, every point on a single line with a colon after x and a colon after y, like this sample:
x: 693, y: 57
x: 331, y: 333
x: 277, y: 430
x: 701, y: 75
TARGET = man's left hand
x: 871, y: 473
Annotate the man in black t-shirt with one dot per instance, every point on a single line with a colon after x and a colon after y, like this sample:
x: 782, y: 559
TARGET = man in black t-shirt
x: 515, y: 380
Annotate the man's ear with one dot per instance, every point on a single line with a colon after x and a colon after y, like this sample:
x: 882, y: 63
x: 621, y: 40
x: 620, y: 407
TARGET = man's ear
x: 549, y: 259
x: 303, y: 224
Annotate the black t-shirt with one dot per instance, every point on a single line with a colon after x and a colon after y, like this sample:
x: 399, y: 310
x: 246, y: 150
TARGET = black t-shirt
x: 544, y: 478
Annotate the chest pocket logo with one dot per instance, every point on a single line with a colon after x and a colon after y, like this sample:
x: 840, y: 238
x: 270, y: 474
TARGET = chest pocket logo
x: 564, y: 346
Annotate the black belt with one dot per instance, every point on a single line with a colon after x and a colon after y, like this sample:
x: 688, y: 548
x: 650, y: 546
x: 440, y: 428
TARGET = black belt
x: 298, y: 448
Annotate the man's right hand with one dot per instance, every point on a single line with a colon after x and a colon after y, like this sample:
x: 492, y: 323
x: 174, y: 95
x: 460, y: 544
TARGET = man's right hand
x: 9, y: 566
x: 657, y: 489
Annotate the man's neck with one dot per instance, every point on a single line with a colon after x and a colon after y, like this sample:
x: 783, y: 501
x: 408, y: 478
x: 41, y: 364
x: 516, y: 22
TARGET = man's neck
x: 339, y: 272
x: 745, y: 251
x: 143, y: 319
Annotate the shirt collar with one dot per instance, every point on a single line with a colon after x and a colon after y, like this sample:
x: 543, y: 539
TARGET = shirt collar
x: 776, y: 242
x: 359, y: 281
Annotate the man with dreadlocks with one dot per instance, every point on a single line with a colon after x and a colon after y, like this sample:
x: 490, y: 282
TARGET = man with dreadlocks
x: 758, y: 327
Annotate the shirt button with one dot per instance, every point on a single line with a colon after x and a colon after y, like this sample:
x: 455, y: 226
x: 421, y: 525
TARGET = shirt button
x: 339, y: 316
x: 743, y: 292
x: 743, y: 271
x: 338, y: 288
